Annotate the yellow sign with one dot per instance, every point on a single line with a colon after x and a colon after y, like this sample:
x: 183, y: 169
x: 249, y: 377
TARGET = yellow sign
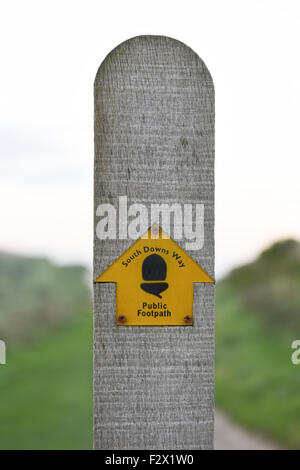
x: 155, y: 280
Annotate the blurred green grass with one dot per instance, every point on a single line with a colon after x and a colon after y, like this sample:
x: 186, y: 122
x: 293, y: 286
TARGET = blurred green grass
x: 46, y: 391
x: 257, y: 318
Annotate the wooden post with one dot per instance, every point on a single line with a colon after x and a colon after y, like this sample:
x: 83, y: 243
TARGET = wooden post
x: 154, y: 143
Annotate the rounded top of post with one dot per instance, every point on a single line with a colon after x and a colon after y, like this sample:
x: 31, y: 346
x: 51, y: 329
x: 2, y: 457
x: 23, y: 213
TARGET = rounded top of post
x: 153, y: 51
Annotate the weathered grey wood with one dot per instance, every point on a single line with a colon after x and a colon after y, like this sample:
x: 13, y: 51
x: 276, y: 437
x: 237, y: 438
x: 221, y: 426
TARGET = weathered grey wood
x: 154, y: 142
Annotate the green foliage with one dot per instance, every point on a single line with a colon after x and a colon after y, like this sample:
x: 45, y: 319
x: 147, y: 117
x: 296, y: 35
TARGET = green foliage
x: 257, y: 318
x: 36, y: 295
x: 270, y: 286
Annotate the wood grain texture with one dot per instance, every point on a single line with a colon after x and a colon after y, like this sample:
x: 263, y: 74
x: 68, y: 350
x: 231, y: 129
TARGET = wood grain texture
x: 154, y: 142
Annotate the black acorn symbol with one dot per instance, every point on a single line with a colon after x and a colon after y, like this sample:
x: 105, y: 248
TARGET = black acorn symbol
x: 154, y: 268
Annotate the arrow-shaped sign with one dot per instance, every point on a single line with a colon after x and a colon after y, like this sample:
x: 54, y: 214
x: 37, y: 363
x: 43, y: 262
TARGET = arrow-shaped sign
x: 155, y: 280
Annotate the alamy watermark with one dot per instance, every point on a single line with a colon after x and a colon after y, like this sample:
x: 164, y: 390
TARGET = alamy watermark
x: 295, y: 358
x: 132, y: 221
x: 2, y: 352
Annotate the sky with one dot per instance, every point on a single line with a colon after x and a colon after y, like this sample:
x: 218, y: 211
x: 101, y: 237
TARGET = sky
x: 50, y: 52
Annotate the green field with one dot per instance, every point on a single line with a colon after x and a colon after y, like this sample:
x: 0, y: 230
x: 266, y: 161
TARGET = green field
x: 46, y: 391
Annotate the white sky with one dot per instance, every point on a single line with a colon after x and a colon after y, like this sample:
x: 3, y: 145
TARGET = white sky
x: 50, y: 52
